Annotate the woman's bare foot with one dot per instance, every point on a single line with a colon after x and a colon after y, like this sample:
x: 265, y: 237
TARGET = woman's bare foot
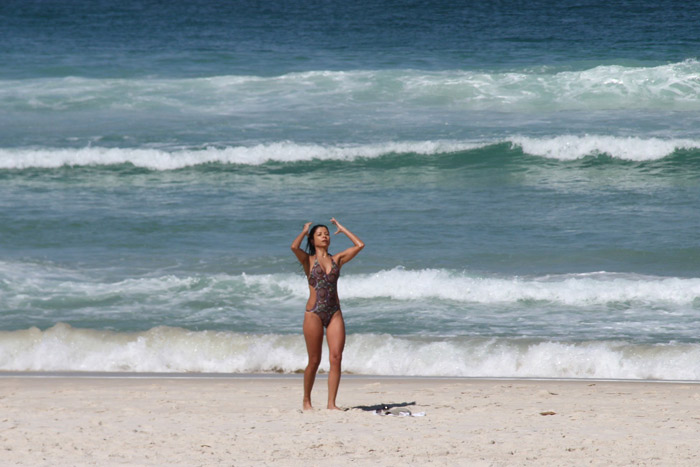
x: 334, y: 407
x: 307, y: 405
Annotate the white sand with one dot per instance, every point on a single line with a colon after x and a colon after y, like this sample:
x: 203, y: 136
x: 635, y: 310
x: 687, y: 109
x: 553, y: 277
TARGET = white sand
x: 258, y: 421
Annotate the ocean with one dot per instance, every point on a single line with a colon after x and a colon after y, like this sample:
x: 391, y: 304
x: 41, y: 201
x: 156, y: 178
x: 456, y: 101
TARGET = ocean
x: 526, y: 178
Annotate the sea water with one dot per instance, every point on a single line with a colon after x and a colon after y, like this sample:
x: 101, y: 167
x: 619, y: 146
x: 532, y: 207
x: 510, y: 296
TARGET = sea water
x: 526, y: 178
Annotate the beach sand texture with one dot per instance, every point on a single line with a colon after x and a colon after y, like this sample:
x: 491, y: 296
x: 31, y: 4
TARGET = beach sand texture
x: 258, y: 421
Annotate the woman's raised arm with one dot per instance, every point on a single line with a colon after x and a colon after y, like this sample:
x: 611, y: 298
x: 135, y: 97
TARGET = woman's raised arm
x: 346, y: 255
x: 301, y: 255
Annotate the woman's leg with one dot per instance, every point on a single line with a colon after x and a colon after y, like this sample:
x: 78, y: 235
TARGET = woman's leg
x: 335, y: 335
x: 313, y: 334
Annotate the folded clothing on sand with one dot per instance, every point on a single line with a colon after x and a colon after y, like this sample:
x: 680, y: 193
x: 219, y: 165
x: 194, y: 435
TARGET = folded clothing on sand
x: 399, y: 412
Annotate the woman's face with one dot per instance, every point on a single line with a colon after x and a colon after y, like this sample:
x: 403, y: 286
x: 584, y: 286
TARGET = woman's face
x: 322, y: 237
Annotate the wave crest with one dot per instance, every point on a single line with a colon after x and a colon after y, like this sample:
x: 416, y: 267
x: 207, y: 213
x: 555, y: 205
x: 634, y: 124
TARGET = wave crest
x: 396, y: 284
x: 564, y: 148
x: 164, y: 349
x: 570, y: 147
x: 158, y: 159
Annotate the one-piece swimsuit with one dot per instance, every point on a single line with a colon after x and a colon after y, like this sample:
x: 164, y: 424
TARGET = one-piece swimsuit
x: 325, y: 286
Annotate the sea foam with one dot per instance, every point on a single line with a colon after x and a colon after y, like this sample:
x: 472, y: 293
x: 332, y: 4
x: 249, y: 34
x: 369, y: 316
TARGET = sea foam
x: 398, y: 284
x: 163, y: 349
x: 562, y: 147
x: 673, y: 86
x: 45, y: 285
x: 570, y: 147
x: 158, y: 159
x: 570, y: 289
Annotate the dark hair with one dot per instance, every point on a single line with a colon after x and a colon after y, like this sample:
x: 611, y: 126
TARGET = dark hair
x: 310, y: 247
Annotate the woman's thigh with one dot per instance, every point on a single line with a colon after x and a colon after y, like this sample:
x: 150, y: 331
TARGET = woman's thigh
x: 313, y: 334
x: 335, y: 334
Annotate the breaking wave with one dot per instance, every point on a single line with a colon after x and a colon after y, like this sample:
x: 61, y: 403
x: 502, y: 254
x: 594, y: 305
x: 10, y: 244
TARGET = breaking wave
x: 164, y: 349
x: 563, y: 148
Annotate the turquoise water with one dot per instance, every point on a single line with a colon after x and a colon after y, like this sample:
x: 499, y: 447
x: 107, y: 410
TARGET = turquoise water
x: 525, y: 178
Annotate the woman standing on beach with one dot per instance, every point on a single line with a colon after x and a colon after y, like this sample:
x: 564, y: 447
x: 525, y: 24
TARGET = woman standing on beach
x: 323, y: 307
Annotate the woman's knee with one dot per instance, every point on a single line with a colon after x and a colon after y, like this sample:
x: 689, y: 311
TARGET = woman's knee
x: 314, y: 362
x: 336, y: 358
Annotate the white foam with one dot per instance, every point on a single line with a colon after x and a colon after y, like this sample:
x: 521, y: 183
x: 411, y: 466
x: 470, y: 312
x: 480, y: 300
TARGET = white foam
x: 160, y: 349
x: 563, y: 147
x: 397, y: 284
x: 673, y: 86
x: 569, y: 289
x: 63, y: 348
x: 570, y: 147
x: 157, y: 159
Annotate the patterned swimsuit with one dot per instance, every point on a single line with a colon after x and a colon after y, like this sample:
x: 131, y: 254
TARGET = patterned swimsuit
x: 325, y: 286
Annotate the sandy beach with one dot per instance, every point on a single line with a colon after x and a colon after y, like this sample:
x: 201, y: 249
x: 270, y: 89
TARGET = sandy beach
x: 256, y: 420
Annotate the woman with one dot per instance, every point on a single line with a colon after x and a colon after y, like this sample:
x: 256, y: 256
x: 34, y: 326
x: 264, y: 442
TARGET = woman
x: 323, y: 308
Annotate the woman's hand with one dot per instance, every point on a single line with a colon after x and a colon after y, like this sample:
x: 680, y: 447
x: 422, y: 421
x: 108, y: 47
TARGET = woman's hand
x: 296, y: 244
x: 346, y: 255
x: 337, y: 224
